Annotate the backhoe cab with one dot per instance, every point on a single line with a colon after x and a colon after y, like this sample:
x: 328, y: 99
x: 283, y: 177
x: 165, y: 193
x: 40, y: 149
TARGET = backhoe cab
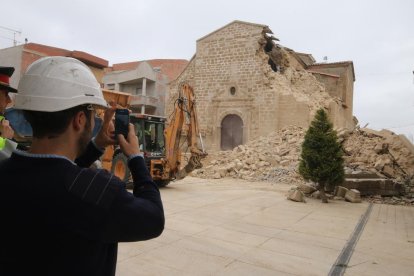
x: 150, y: 132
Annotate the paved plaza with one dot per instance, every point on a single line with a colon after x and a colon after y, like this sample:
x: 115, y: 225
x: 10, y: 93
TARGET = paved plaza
x: 236, y: 227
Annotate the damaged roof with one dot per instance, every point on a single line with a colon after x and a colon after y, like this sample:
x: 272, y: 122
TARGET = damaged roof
x: 333, y: 65
x: 306, y: 58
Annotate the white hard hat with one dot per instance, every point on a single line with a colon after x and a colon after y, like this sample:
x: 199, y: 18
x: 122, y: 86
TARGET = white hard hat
x: 57, y: 83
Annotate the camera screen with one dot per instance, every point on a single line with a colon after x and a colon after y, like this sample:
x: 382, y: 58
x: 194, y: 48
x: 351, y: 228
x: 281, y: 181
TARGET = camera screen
x: 121, y: 122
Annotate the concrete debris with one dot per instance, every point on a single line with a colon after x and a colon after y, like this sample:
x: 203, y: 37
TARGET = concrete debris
x: 275, y: 158
x: 394, y: 200
x: 353, y: 196
x: 272, y: 158
x: 340, y: 191
x: 296, y: 195
x: 316, y: 195
x: 338, y: 198
x: 306, y: 188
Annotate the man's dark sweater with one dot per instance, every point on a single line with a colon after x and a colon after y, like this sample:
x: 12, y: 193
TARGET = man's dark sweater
x: 59, y: 218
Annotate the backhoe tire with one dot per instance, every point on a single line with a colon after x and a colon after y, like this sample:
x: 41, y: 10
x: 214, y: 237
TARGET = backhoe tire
x: 120, y: 167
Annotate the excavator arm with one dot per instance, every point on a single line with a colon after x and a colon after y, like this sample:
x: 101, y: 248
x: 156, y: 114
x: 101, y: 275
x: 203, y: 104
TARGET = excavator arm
x: 184, y: 119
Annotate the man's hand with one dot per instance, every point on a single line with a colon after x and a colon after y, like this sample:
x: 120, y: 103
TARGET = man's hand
x: 129, y: 146
x: 105, y: 136
x: 5, y: 129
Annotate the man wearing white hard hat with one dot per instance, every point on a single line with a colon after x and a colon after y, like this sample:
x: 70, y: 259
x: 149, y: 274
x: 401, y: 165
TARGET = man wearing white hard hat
x: 58, y: 216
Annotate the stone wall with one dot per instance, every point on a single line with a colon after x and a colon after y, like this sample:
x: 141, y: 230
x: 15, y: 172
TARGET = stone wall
x: 338, y: 80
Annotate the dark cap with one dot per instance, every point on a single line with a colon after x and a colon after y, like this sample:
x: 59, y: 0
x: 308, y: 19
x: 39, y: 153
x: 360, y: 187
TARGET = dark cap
x: 5, y: 74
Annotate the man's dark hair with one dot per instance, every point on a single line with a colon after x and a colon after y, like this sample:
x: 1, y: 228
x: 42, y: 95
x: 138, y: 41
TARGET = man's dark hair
x: 52, y: 124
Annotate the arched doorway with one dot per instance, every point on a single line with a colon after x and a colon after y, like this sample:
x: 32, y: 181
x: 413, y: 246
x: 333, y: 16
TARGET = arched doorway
x: 231, y: 132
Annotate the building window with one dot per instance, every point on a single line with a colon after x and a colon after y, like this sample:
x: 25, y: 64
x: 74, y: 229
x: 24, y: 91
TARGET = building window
x: 138, y: 90
x: 233, y: 90
x: 110, y: 86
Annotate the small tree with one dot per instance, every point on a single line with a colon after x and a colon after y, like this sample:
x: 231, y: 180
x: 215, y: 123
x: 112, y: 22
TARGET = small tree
x: 321, y: 157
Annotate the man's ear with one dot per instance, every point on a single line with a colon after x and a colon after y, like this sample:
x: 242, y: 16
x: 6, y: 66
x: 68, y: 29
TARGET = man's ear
x: 79, y: 120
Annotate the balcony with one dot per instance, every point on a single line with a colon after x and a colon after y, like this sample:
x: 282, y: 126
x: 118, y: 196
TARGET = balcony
x: 139, y: 100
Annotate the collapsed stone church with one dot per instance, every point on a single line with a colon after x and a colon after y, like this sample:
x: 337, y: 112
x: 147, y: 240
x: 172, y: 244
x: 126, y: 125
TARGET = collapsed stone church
x: 247, y: 85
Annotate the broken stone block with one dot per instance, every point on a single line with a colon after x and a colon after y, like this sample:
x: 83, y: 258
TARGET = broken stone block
x: 296, y: 195
x: 340, y: 191
x: 217, y: 175
x: 379, y: 165
x: 343, y: 133
x: 371, y: 133
x: 284, y: 162
x: 338, y: 198
x: 222, y: 172
x: 230, y: 167
x: 348, y: 150
x: 284, y: 152
x: 395, y: 152
x: 249, y: 161
x: 306, y: 188
x: 292, y: 141
x: 388, y: 171
x: 353, y: 196
x: 316, y: 195
x: 241, y: 148
x: 277, y: 158
x: 381, y: 148
x: 239, y: 165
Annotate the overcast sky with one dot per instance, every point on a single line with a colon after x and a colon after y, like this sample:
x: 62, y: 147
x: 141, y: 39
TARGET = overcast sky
x: 378, y: 36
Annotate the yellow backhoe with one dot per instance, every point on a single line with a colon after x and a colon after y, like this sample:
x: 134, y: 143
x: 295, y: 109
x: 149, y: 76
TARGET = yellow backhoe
x: 161, y: 143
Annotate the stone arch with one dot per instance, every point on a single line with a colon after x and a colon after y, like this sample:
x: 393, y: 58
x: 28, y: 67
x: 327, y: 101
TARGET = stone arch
x: 231, y: 131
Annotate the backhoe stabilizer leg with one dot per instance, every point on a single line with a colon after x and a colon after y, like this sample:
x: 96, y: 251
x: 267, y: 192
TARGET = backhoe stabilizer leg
x: 193, y: 163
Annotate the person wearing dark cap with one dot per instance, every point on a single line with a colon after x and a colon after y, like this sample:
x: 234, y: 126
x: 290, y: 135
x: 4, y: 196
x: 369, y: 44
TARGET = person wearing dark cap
x: 6, y: 132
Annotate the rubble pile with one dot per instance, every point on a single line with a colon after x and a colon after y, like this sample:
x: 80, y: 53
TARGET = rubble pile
x: 394, y: 200
x: 382, y: 152
x: 302, y: 85
x: 275, y: 158
x: 272, y: 158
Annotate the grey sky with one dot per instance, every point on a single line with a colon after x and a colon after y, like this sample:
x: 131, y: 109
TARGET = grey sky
x: 378, y: 36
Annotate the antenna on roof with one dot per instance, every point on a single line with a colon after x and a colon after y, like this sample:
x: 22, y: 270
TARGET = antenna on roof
x: 14, y: 34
